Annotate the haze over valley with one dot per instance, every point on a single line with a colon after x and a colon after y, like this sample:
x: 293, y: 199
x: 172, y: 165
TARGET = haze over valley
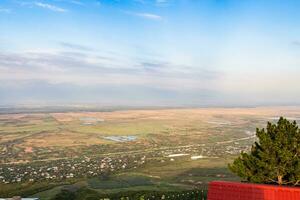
x: 139, y: 99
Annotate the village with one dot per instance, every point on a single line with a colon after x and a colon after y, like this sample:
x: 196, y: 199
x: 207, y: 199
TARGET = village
x: 87, y: 166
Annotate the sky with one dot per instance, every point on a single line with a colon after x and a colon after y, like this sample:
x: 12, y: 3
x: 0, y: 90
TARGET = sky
x: 150, y: 52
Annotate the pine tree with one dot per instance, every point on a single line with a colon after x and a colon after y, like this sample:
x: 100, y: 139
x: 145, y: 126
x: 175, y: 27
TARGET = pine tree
x: 275, y: 158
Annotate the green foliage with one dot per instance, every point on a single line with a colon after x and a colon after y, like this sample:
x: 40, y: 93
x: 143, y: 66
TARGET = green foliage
x: 25, y: 189
x: 88, y: 194
x: 275, y: 158
x: 65, y: 195
x: 122, y: 181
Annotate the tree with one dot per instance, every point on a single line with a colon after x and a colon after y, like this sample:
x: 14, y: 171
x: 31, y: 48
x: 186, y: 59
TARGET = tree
x: 65, y: 195
x: 275, y: 158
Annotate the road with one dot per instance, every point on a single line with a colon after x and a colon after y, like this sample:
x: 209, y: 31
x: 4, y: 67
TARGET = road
x: 136, y: 152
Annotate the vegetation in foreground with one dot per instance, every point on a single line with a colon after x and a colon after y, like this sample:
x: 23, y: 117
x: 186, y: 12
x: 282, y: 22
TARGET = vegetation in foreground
x: 88, y: 194
x: 275, y: 158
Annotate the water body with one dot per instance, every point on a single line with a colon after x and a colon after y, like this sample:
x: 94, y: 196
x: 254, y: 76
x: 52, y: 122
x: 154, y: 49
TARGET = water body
x: 90, y: 120
x: 121, y: 138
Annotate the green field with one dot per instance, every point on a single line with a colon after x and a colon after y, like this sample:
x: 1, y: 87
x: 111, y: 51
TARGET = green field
x: 121, y: 151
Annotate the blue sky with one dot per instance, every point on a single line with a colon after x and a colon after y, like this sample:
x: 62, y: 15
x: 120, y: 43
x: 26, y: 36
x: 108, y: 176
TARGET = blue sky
x: 150, y: 52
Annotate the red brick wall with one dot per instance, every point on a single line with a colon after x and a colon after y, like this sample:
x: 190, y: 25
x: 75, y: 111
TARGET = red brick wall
x: 220, y: 190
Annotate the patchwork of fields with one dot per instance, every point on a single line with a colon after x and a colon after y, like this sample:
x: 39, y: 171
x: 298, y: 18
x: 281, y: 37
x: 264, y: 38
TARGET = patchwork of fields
x: 117, y: 151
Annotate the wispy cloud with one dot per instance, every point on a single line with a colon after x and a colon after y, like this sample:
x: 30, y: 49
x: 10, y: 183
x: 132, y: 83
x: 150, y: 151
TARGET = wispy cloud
x: 162, y: 2
x: 149, y: 16
x: 84, y: 69
x: 75, y: 46
x: 5, y: 10
x: 159, y: 3
x: 140, y: 1
x: 50, y: 7
x: 76, y: 2
x: 296, y: 43
x: 153, y: 66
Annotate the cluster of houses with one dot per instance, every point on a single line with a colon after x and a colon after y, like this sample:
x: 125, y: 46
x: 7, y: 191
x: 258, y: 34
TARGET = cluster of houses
x: 94, y: 166
x: 195, y: 152
x: 68, y: 168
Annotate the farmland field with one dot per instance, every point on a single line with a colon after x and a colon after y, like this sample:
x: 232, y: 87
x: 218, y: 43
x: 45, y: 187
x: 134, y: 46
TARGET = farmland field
x: 131, y: 150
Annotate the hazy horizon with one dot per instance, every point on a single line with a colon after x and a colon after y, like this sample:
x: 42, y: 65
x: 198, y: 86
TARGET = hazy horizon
x: 149, y: 52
